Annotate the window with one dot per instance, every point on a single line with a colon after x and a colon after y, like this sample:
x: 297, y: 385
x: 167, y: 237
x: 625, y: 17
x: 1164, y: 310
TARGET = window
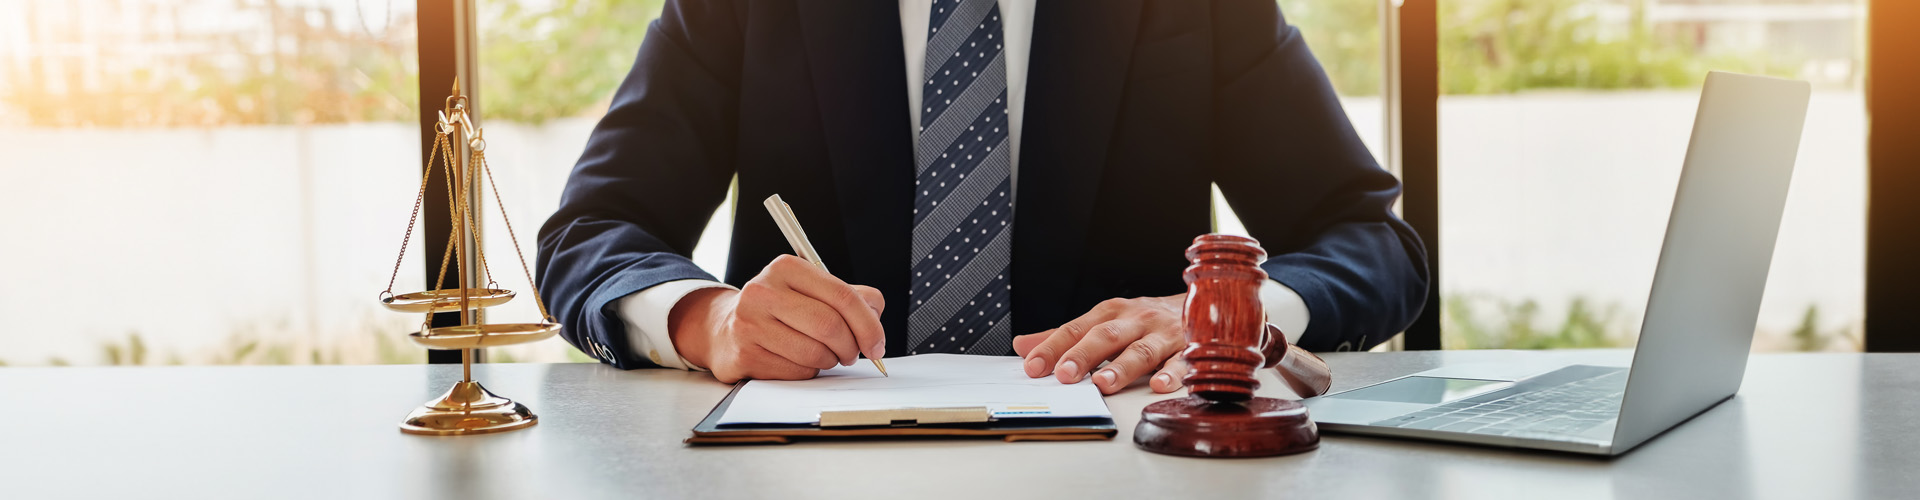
x: 205, y: 181
x: 547, y: 72
x: 1563, y: 124
x: 1345, y: 37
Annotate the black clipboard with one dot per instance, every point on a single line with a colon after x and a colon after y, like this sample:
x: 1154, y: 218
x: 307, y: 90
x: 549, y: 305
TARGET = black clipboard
x: 709, y: 430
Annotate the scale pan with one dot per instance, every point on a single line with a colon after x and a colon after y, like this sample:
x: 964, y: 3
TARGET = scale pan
x: 481, y: 336
x: 447, y: 300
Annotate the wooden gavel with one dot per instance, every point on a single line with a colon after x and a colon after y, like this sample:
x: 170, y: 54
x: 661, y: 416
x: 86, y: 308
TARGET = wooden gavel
x: 1228, y: 336
x: 1228, y: 339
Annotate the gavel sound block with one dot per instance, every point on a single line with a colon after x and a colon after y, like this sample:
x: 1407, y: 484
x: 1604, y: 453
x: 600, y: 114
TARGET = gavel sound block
x: 1227, y: 339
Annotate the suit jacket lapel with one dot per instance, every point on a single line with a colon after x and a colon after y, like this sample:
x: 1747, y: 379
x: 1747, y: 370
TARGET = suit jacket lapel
x: 858, y: 70
x: 1080, y: 56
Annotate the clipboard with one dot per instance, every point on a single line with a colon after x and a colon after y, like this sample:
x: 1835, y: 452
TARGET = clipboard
x: 898, y: 423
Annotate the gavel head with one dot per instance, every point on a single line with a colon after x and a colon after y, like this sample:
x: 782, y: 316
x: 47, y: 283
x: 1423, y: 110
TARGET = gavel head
x: 1225, y: 322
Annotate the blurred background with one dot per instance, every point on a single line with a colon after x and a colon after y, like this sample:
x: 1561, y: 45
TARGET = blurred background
x: 227, y: 181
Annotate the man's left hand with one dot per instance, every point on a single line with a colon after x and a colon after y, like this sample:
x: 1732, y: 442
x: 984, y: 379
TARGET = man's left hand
x: 1139, y: 335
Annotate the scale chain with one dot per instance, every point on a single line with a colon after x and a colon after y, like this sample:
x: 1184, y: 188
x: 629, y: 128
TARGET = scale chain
x: 497, y: 201
x: 418, y: 199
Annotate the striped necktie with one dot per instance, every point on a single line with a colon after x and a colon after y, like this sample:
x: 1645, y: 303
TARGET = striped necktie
x: 963, y: 197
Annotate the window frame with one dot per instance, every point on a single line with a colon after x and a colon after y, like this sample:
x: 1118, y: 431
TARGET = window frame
x: 1893, y: 175
x: 447, y: 51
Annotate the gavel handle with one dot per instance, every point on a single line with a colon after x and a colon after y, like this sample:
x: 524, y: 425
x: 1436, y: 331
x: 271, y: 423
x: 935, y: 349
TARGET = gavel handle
x: 1302, y: 371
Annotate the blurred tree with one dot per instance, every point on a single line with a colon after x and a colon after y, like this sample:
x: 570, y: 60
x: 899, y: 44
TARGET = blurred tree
x: 1807, y: 337
x: 561, y: 59
x: 314, y: 63
x: 1345, y: 37
x: 265, y: 63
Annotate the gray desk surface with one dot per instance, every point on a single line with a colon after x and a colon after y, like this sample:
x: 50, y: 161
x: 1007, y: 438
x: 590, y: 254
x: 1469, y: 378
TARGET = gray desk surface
x: 1803, y: 426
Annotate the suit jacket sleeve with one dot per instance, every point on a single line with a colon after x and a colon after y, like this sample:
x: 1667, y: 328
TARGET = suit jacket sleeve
x: 655, y: 167
x: 1291, y: 166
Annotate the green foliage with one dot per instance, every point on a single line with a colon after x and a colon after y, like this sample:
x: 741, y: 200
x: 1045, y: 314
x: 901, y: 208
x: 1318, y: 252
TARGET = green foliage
x: 1809, y: 337
x: 1507, y: 46
x: 134, y: 352
x: 544, y: 60
x: 320, y: 64
x: 1502, y: 46
x: 1345, y: 37
x: 244, y: 349
x: 1481, y: 322
x: 379, y: 341
x: 561, y: 60
x: 1514, y: 325
x: 1806, y: 337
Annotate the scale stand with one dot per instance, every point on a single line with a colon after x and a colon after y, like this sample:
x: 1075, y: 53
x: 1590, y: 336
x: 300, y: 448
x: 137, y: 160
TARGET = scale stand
x: 467, y: 408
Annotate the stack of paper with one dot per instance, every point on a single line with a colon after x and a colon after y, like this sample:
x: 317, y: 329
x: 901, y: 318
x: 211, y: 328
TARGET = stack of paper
x: 998, y: 383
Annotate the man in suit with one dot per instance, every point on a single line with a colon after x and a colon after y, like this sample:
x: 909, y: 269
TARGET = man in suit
x: 943, y: 151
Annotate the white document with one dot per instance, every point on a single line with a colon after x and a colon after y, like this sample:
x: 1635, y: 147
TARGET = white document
x: 998, y: 383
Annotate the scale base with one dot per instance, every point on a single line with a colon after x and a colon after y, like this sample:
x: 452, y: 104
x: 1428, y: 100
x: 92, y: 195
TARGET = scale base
x: 465, y: 410
x: 1195, y: 427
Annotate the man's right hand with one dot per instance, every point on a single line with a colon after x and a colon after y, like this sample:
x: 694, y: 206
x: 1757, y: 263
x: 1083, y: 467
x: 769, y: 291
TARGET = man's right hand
x: 788, y: 323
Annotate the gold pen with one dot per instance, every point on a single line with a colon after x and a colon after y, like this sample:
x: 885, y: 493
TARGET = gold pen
x: 790, y: 226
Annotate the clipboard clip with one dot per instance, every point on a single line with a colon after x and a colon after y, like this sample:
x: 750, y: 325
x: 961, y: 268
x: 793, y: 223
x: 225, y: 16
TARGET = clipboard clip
x: 905, y: 417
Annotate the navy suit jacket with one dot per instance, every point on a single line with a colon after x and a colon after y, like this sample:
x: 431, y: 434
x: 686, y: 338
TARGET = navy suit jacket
x: 1133, y: 109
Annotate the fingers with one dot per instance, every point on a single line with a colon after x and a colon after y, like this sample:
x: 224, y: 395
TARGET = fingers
x: 815, y: 320
x: 855, y: 308
x: 756, y: 362
x: 1045, y: 357
x: 878, y: 302
x: 769, y: 365
x: 872, y: 296
x: 1138, y: 359
x: 1024, y: 343
x: 1171, y: 377
x: 1101, y: 343
x: 792, y: 346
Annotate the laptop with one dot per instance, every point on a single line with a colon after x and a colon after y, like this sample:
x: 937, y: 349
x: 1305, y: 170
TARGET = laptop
x: 1700, y: 316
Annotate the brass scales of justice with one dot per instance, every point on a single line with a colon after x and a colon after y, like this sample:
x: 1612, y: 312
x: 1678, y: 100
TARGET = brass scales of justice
x: 467, y: 408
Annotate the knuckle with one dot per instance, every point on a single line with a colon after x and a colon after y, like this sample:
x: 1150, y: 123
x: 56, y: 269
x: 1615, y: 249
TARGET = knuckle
x: 1142, y: 350
x: 823, y: 358
x: 1074, y: 331
x: 816, y: 362
x: 1106, y: 332
x: 787, y: 264
x: 1111, y: 304
x: 1045, y: 350
x: 845, y: 296
x: 826, y: 326
x: 755, y: 289
x: 1158, y: 316
x: 871, y: 294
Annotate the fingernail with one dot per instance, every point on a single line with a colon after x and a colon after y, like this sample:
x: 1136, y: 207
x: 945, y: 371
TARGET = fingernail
x: 880, y: 349
x: 1036, y: 367
x: 1070, y: 370
x: 1165, y: 380
x: 1105, y: 377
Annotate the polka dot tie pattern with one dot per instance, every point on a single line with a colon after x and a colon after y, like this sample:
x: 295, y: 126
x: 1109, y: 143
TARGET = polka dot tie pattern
x: 963, y: 188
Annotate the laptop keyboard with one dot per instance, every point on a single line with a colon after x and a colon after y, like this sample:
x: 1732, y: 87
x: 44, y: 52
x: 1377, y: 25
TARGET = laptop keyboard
x: 1589, y: 399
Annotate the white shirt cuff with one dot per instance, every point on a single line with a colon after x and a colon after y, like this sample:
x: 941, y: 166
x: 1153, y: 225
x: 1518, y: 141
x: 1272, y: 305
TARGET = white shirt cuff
x: 1285, y: 309
x: 645, y: 313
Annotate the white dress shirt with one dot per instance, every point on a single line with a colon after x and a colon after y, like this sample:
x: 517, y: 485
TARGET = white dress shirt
x: 645, y: 312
